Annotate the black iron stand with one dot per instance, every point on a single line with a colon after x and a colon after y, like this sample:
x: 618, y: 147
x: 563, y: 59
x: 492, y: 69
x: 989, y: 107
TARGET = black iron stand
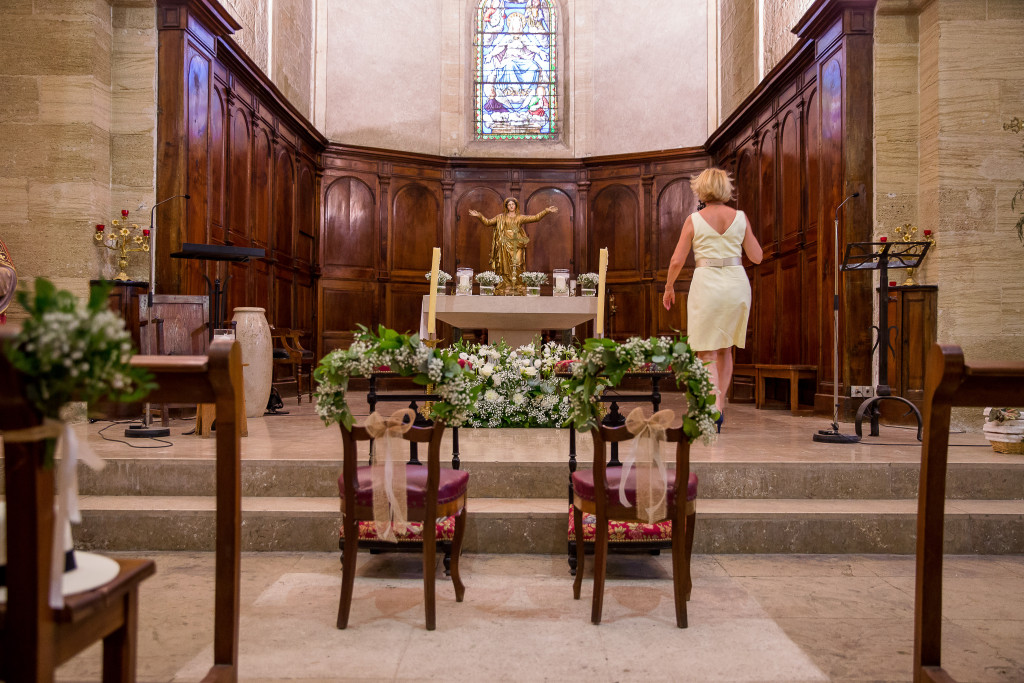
x: 863, y: 256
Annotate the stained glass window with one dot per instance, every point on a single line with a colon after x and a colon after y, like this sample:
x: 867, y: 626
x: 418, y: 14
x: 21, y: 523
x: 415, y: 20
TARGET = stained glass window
x: 515, y: 85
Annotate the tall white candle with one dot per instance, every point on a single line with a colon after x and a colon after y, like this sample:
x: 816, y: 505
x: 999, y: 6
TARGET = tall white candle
x: 601, y: 271
x: 435, y: 265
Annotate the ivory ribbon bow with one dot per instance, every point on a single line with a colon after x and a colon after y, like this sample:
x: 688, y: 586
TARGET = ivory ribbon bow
x: 390, y: 505
x: 70, y: 451
x: 645, y: 456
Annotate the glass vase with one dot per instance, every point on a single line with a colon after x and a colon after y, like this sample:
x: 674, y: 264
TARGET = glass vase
x: 532, y: 290
x: 588, y: 291
x: 463, y: 282
x: 440, y: 288
x: 560, y: 277
x: 486, y: 290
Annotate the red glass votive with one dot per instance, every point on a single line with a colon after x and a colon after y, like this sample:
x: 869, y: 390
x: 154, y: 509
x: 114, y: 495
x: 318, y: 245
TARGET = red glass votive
x: 927, y: 233
x: 883, y: 238
x: 124, y: 212
x: 100, y: 227
x: 145, y: 232
x: 892, y: 283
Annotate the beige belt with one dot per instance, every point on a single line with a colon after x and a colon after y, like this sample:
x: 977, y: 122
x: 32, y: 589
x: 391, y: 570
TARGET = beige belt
x: 719, y: 262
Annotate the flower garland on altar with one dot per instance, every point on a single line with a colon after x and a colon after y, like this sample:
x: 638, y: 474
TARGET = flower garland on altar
x: 604, y: 362
x: 405, y: 355
x: 518, y: 386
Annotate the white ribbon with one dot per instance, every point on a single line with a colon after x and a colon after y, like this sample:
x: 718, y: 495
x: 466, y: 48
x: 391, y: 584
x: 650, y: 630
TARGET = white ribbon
x: 66, y: 508
x: 645, y: 456
x: 390, y: 502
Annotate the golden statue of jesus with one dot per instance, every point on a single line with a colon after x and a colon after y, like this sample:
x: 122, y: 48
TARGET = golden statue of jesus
x: 508, y: 245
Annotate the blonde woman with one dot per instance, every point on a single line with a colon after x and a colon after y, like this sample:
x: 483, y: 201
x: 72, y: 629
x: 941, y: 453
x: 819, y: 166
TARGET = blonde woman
x: 718, y: 304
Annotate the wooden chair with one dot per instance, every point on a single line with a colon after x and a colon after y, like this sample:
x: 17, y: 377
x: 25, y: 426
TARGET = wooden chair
x: 432, y: 493
x: 596, y: 492
x: 289, y: 352
x: 949, y: 382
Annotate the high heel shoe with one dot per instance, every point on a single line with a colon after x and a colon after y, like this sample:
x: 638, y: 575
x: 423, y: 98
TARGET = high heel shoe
x: 719, y: 421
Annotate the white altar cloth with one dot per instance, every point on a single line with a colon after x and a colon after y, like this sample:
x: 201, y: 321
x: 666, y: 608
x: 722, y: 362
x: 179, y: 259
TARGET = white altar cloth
x: 517, y: 319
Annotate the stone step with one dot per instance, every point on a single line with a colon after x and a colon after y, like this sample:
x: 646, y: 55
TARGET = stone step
x: 514, y: 525
x: 754, y: 480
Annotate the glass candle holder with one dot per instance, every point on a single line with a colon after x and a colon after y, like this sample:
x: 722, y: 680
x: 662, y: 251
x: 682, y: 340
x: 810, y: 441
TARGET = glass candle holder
x: 560, y: 280
x: 463, y: 281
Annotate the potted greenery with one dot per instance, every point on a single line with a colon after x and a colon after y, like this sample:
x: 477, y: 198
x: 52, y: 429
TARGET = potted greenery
x: 588, y: 284
x: 488, y: 280
x: 1004, y: 429
x: 533, y: 282
x: 442, y: 280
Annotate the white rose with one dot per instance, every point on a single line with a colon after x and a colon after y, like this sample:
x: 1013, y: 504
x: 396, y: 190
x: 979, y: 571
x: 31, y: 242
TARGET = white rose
x: 486, y: 370
x: 537, y: 363
x: 491, y: 396
x: 497, y: 380
x: 517, y: 398
x: 530, y: 372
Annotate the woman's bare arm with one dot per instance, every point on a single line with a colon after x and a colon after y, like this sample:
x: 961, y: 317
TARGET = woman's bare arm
x: 675, y: 266
x: 751, y: 246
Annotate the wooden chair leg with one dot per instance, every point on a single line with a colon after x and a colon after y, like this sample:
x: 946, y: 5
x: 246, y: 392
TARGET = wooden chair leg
x: 600, y: 565
x: 581, y: 552
x: 429, y: 569
x: 348, y: 573
x: 120, y: 647
x: 691, y: 520
x: 680, y: 570
x: 460, y: 532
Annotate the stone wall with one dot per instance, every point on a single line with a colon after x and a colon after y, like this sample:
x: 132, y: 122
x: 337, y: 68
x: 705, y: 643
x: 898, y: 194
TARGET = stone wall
x: 944, y: 162
x: 292, y: 56
x: 738, y: 53
x: 76, y: 130
x: 254, y: 36
x: 632, y: 80
x: 780, y: 16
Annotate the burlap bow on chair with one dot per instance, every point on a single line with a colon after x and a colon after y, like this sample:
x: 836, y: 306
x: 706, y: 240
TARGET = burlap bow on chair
x: 390, y: 505
x: 645, y: 456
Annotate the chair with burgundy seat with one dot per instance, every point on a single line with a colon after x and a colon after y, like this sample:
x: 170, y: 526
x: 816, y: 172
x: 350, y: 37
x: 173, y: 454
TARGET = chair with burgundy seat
x: 596, y: 497
x: 436, y: 509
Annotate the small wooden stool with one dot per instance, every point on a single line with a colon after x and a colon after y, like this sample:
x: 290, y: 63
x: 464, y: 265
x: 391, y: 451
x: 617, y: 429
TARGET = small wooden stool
x: 747, y: 376
x: 793, y: 373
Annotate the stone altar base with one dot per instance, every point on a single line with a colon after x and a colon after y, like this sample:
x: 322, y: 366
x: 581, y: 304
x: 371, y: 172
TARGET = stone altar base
x: 765, y: 487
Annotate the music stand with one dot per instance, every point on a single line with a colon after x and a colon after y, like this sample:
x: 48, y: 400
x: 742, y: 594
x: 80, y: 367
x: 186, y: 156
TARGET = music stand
x: 215, y: 289
x: 898, y: 255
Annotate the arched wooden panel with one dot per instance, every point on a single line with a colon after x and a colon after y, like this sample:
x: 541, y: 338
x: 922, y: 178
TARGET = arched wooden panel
x: 284, y: 209
x: 832, y: 174
x: 615, y: 223
x: 261, y: 170
x: 765, y: 350
x: 788, y: 323
x: 197, y: 210
x: 674, y: 204
x: 304, y: 218
x: 789, y: 178
x: 747, y: 186
x: 766, y: 197
x: 415, y: 228
x: 349, y: 237
x: 239, y: 168
x: 217, y: 150
x: 284, y: 295
x: 551, y: 239
x: 812, y: 153
x: 473, y: 238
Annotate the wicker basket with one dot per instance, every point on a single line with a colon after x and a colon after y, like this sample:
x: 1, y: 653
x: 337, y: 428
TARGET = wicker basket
x: 1008, y: 447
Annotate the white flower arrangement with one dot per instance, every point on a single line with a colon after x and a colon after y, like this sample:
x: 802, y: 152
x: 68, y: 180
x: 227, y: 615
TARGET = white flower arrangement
x: 588, y: 280
x: 442, y: 277
x: 533, y: 278
x: 488, y: 278
x: 519, y: 386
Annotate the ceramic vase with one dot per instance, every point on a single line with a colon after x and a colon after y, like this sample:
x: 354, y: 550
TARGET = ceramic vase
x: 253, y: 334
x: 1006, y: 436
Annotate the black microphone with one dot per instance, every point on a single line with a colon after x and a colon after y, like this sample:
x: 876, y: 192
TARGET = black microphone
x: 855, y: 194
x: 152, y: 251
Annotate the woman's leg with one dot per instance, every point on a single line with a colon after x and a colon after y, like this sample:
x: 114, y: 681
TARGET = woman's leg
x: 724, y: 362
x: 711, y: 357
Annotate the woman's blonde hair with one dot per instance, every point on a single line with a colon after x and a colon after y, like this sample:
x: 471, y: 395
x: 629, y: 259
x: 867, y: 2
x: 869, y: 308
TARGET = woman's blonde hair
x: 712, y: 185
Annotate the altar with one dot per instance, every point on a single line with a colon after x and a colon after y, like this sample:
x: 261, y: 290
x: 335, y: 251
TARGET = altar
x: 516, y: 319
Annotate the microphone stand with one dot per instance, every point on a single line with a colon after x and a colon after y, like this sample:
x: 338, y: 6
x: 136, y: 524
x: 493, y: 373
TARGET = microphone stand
x: 144, y: 431
x: 833, y: 435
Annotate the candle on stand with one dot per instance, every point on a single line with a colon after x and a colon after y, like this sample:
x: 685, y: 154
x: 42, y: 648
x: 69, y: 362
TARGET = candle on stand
x: 601, y: 270
x: 435, y: 265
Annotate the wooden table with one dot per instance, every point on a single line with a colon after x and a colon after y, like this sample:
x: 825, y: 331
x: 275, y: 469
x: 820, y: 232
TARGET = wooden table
x: 793, y: 373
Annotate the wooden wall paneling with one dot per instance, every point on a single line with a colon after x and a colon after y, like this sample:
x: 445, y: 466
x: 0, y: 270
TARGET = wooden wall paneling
x: 198, y: 171
x: 305, y: 215
x: 302, y: 316
x: 218, y: 148
x: 674, y: 201
x: 831, y: 145
x: 415, y: 226
x: 788, y: 323
x: 748, y: 186
x: 627, y: 312
x: 237, y: 287
x: 262, y: 185
x: 284, y: 295
x: 284, y: 224
x: 342, y: 305
x: 765, y: 289
x: 615, y: 223
x: 403, y: 304
x: 349, y: 238
x: 669, y: 323
x: 766, y: 233
x: 791, y: 189
x: 812, y: 154
x: 810, y: 338
x: 239, y: 176
x: 552, y: 243
x: 472, y: 238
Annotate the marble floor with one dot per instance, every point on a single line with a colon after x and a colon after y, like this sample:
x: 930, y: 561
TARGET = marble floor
x: 751, y: 618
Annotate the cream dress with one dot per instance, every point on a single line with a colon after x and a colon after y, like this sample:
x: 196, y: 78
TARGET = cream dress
x: 718, y: 304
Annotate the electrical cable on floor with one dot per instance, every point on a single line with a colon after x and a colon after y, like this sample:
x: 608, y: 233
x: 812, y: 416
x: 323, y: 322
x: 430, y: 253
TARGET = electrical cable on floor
x: 161, y: 443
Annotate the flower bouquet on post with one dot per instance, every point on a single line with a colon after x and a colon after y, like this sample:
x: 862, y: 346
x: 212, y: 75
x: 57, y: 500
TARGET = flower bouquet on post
x: 533, y: 281
x: 588, y: 284
x: 488, y: 280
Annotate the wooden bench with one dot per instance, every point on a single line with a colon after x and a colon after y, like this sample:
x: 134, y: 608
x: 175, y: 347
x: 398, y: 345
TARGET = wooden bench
x: 745, y: 375
x: 792, y: 373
